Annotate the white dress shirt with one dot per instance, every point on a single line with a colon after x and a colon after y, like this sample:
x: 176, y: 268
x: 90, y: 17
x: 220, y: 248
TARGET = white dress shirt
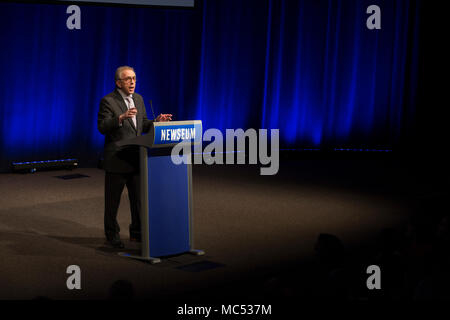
x: 130, y: 104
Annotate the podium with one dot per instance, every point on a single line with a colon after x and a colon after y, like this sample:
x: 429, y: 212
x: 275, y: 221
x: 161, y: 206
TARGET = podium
x: 166, y: 190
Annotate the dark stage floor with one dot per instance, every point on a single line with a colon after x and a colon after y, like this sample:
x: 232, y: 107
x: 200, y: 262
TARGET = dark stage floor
x: 256, y: 230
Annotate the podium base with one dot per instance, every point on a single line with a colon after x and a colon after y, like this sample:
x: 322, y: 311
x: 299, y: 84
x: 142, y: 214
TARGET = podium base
x: 147, y: 259
x: 157, y: 260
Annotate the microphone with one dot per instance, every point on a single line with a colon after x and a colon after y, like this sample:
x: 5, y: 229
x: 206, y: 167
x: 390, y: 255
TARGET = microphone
x: 151, y: 106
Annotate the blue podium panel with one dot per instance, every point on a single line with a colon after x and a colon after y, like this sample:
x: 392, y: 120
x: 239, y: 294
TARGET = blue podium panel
x: 168, y: 206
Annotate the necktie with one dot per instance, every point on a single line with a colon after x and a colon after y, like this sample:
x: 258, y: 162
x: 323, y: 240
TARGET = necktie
x: 131, y: 105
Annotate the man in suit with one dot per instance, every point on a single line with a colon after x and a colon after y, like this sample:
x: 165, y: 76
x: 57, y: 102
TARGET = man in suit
x: 122, y: 115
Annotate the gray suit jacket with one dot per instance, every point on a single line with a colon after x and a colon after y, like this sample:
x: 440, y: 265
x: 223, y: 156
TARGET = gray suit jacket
x: 121, y: 159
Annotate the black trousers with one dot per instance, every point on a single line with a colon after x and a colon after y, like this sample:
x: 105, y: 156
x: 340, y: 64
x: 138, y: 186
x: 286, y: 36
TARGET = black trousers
x: 114, y: 185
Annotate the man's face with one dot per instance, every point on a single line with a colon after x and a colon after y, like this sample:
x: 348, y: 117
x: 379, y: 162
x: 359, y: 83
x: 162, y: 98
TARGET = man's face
x: 127, y: 81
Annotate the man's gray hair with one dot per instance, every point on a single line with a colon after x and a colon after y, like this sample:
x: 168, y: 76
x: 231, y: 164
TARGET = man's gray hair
x: 119, y: 71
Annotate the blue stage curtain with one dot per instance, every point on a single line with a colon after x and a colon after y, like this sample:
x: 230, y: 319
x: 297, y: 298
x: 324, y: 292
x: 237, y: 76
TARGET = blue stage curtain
x: 54, y: 77
x: 310, y: 68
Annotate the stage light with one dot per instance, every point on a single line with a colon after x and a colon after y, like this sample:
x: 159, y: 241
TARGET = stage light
x: 362, y: 150
x: 33, y: 166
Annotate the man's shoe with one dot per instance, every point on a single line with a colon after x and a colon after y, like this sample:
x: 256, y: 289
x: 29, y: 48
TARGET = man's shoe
x: 116, y: 243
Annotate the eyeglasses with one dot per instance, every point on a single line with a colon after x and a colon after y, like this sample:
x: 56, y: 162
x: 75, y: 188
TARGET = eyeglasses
x: 128, y: 79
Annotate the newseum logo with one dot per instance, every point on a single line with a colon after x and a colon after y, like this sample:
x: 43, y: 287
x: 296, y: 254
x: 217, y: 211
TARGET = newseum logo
x: 175, y: 135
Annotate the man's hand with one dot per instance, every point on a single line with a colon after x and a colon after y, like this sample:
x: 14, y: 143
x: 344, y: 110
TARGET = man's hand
x: 129, y: 114
x: 164, y: 117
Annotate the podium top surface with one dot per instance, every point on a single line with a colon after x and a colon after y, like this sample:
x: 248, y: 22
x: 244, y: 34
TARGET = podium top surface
x: 176, y: 123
